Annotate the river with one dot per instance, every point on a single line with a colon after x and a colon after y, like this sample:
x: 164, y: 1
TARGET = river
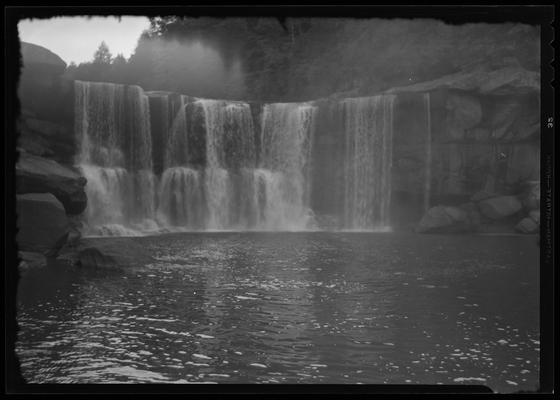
x: 308, y: 307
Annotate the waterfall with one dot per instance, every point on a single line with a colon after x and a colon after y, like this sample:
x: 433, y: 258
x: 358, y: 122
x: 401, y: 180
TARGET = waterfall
x: 112, y: 124
x: 368, y: 130
x: 201, y: 164
x: 181, y: 198
x: 428, y: 170
x: 286, y: 142
x: 229, y: 146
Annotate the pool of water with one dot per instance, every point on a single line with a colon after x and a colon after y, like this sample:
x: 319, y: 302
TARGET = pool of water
x: 347, y: 308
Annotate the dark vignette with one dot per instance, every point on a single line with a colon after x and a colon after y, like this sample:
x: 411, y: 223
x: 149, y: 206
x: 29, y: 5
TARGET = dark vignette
x: 534, y: 15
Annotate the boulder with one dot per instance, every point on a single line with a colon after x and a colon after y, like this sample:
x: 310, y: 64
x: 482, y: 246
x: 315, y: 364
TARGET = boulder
x: 112, y: 253
x: 535, y: 215
x: 46, y: 128
x: 478, y: 135
x: 42, y: 88
x: 447, y: 219
x: 531, y: 197
x: 500, y: 207
x: 464, y: 112
x: 523, y: 164
x: 34, y: 54
x: 527, y: 225
x: 46, y: 138
x: 42, y: 223
x: 29, y: 259
x: 503, y: 116
x: 482, y: 195
x: 35, y: 174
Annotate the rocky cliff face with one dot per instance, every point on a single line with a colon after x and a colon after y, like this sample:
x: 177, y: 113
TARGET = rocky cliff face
x: 482, y: 141
x: 47, y: 105
x: 50, y: 193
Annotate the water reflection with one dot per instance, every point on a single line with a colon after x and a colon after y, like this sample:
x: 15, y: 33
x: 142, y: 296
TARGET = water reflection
x: 292, y: 308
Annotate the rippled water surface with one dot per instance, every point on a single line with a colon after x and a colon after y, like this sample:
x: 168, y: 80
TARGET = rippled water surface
x: 292, y: 308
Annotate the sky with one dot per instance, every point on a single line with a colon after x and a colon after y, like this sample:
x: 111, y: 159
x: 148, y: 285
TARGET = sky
x: 75, y: 39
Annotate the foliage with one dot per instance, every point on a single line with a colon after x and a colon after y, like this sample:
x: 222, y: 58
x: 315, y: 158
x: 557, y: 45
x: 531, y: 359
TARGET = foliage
x: 102, y: 55
x: 305, y: 58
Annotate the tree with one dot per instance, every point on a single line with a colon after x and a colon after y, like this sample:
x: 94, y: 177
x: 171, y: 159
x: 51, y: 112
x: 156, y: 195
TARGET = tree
x: 119, y: 73
x: 102, y: 55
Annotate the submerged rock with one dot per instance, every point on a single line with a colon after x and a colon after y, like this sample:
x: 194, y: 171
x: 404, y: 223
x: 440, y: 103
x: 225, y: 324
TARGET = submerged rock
x: 42, y: 223
x: 111, y: 253
x: 36, y: 174
x: 500, y: 207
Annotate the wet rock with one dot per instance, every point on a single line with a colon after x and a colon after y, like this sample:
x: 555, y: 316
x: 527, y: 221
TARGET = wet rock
x: 523, y: 164
x: 447, y: 219
x: 464, y: 112
x: 42, y: 223
x: 46, y: 138
x: 531, y: 197
x: 503, y: 117
x: 473, y: 214
x: 35, y: 174
x: 30, y: 259
x: 478, y: 134
x: 527, y: 225
x: 535, y: 215
x: 111, y: 253
x: 499, y: 207
x: 46, y: 128
x: 482, y: 195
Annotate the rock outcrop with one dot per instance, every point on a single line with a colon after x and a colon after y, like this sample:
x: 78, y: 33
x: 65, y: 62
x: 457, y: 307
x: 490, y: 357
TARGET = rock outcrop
x: 449, y: 219
x: 42, y: 223
x: 500, y: 207
x: 42, y: 89
x: 502, y: 81
x: 531, y: 196
x: 45, y: 126
x: 39, y: 175
x: 30, y: 259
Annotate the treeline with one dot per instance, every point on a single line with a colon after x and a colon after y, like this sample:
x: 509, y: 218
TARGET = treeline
x: 305, y: 58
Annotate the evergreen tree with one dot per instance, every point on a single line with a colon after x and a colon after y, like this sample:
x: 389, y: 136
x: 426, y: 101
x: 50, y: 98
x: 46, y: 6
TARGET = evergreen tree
x: 102, y: 55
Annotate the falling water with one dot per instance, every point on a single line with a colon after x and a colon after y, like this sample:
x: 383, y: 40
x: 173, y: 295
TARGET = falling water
x: 223, y: 165
x: 428, y: 171
x: 113, y: 129
x: 229, y: 146
x: 181, y: 198
x: 282, y: 177
x: 368, y: 130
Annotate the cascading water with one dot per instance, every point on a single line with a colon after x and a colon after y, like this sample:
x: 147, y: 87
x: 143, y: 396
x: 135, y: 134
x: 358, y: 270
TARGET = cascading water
x: 231, y: 189
x: 199, y: 164
x: 113, y: 129
x: 282, y: 177
x: 229, y: 147
x: 428, y: 170
x: 368, y: 130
